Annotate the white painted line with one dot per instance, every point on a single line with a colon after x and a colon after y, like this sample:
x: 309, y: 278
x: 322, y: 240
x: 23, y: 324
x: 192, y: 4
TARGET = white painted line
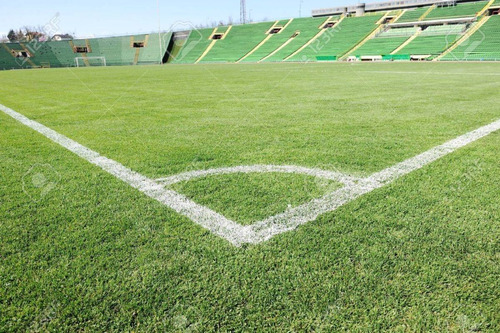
x: 274, y: 225
x: 330, y: 175
x: 297, y: 216
x: 419, y: 161
x: 205, y: 217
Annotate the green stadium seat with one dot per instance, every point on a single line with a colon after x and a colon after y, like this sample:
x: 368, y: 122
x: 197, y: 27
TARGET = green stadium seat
x: 429, y: 45
x: 379, y: 46
x: 483, y: 45
x: 239, y: 41
x: 456, y: 11
x: 454, y: 29
x: 340, y: 39
x: 398, y: 32
x: 412, y: 15
x: 55, y: 54
x: 297, y: 34
x: 7, y: 60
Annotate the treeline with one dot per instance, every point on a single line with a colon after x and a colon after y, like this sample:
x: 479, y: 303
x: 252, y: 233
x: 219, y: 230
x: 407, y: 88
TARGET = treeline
x: 27, y: 34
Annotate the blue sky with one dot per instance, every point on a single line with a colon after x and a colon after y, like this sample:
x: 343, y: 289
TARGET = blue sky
x: 113, y: 17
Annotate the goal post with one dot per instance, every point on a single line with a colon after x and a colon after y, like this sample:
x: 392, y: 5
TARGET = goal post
x: 90, y: 61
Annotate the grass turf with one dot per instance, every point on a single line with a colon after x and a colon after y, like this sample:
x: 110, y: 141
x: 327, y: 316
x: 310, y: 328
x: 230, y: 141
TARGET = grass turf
x: 248, y: 198
x: 93, y: 254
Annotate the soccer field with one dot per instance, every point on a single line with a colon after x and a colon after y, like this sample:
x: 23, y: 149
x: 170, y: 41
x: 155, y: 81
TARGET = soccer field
x: 251, y: 198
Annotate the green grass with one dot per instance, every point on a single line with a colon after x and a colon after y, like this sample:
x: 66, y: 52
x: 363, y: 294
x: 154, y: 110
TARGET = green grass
x: 93, y: 254
x: 262, y: 195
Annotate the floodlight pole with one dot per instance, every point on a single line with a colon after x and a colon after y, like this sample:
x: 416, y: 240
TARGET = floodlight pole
x: 243, y: 11
x: 159, y: 31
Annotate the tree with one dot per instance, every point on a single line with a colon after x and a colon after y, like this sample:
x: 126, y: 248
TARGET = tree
x: 12, y: 36
x: 19, y: 36
x: 31, y: 33
x: 27, y: 34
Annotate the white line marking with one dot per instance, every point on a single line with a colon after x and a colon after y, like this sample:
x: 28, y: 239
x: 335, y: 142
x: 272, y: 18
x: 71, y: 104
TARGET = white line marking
x: 295, y: 217
x: 205, y: 217
x: 274, y: 225
x: 330, y: 175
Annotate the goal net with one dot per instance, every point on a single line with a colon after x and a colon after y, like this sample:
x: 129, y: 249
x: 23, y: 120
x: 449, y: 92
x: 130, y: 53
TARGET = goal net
x: 90, y: 61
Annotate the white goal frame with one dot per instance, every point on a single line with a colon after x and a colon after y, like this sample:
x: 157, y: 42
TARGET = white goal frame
x: 82, y: 64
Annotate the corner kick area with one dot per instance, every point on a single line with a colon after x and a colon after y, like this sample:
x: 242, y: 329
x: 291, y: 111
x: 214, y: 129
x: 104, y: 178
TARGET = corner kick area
x: 266, y: 229
x: 310, y: 197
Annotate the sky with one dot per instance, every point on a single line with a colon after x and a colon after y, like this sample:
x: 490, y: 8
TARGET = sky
x: 91, y: 18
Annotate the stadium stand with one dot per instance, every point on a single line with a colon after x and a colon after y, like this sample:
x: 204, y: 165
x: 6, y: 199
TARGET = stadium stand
x: 117, y: 50
x: 151, y: 53
x: 447, y: 29
x: 379, y: 46
x: 130, y: 50
x: 176, y: 49
x: 127, y: 50
x: 340, y: 39
x: 483, y: 45
x: 238, y: 42
x: 385, y: 42
x: 217, y: 34
x: 19, y: 54
x: 428, y: 45
x: 8, y: 60
x: 298, y: 34
x: 398, y: 32
x: 54, y: 54
x: 412, y: 15
x: 467, y: 30
x: 291, y: 30
x: 194, y: 46
x: 63, y: 53
x: 278, y: 35
x: 455, y: 11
